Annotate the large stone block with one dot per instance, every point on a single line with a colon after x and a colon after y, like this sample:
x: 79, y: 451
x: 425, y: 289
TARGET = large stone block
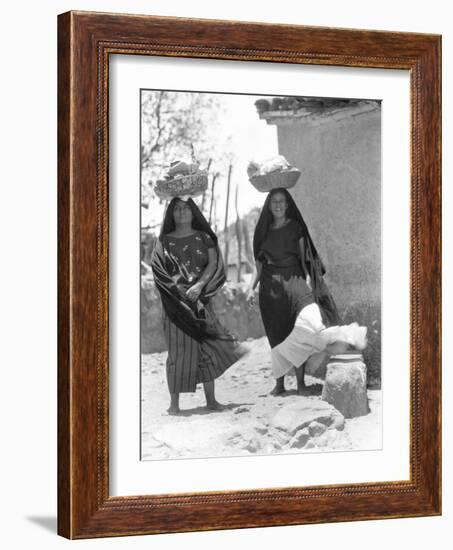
x: 345, y: 385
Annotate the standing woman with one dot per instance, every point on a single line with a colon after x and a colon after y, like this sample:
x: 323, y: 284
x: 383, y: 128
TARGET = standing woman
x: 295, y: 303
x: 188, y: 271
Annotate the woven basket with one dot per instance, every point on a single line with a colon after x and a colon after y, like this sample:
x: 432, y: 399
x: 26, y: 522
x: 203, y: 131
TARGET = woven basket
x: 190, y: 185
x: 280, y: 179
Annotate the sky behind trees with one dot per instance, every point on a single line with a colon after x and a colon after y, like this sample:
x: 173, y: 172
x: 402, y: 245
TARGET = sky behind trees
x: 223, y: 127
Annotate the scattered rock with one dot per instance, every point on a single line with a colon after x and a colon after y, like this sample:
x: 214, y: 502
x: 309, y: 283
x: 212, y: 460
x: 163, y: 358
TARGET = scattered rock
x: 261, y: 429
x: 251, y: 446
x: 345, y: 386
x: 338, y: 423
x: 300, y: 439
x: 242, y: 409
x: 279, y: 437
x: 316, y: 428
x: 301, y: 414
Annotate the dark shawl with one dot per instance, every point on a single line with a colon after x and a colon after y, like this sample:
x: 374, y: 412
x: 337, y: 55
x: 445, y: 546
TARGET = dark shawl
x: 312, y: 263
x: 190, y: 317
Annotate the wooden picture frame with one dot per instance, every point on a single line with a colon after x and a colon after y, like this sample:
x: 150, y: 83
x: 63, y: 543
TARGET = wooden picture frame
x: 85, y: 42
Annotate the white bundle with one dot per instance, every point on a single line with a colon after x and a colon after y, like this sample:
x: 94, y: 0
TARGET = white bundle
x: 271, y: 174
x: 274, y: 164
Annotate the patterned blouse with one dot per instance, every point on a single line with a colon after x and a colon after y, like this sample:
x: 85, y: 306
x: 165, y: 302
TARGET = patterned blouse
x: 191, y: 253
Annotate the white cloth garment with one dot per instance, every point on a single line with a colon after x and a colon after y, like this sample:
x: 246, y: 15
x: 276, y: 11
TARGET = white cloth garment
x: 308, y: 337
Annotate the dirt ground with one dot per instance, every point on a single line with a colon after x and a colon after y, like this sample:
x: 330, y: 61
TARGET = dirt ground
x: 245, y: 426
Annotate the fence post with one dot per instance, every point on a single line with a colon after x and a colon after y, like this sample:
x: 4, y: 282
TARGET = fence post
x: 204, y: 192
x: 225, y: 232
x: 214, y: 176
x: 238, y: 234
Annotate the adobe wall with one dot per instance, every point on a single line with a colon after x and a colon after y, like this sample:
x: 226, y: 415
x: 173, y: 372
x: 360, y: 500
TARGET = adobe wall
x: 339, y: 195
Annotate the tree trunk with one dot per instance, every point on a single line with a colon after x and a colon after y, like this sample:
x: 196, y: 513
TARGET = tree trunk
x: 247, y: 246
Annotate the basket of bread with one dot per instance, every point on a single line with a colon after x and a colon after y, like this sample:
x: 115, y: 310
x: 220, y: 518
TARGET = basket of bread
x: 272, y: 174
x: 182, y: 179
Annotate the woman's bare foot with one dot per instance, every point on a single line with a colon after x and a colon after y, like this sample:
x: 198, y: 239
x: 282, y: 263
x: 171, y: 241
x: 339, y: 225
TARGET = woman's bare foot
x: 302, y: 390
x: 279, y: 388
x: 300, y: 378
x: 211, y: 402
x: 277, y: 391
x: 174, y: 404
x: 215, y: 406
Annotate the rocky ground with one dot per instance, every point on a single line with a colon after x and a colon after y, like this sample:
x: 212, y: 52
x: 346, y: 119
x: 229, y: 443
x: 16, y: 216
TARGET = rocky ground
x: 253, y: 421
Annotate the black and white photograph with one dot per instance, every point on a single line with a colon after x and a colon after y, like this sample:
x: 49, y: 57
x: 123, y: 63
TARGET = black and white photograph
x: 260, y: 262
x: 226, y: 284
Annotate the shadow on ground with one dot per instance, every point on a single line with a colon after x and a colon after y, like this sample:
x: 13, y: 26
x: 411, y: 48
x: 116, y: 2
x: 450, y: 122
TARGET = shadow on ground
x: 200, y: 411
x: 312, y: 390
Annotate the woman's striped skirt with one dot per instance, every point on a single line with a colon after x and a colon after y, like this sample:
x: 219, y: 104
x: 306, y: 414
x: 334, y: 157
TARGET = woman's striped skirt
x: 190, y: 362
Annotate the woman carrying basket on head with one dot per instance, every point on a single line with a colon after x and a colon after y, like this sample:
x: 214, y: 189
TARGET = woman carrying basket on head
x: 188, y: 271
x: 296, y: 306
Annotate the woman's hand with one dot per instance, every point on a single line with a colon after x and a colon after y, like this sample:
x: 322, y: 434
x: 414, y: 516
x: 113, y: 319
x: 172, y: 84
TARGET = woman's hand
x: 251, y: 297
x: 193, y: 293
